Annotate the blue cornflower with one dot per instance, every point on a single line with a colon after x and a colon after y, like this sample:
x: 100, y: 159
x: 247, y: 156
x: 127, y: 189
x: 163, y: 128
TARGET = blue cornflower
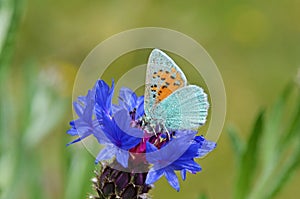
x: 86, y: 124
x: 129, y: 101
x: 121, y: 137
x: 177, y: 154
x: 111, y: 129
x: 202, y: 147
x: 112, y: 125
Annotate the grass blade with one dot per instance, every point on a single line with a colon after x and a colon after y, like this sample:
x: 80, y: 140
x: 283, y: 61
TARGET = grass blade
x: 249, y: 159
x: 271, y: 149
x: 294, y: 127
x: 10, y: 15
x: 237, y: 144
x: 285, y: 174
x: 272, y: 131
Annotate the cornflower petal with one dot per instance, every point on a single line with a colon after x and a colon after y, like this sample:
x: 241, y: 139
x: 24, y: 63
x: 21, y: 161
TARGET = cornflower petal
x: 72, y: 131
x: 127, y: 98
x: 139, y: 107
x: 105, y: 154
x: 123, y: 120
x: 154, y: 175
x: 116, y: 135
x: 183, y: 164
x: 117, y: 130
x: 78, y: 108
x: 129, y: 101
x: 122, y: 157
x: 104, y: 98
x: 172, y: 179
x: 84, y: 125
x: 170, y: 152
x: 206, y: 146
x: 183, y: 174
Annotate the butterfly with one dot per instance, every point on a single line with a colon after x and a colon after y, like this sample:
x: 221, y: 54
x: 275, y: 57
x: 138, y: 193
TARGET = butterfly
x: 168, y: 101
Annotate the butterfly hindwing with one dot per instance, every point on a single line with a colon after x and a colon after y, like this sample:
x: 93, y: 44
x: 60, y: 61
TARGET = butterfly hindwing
x: 185, y: 108
x: 163, y: 77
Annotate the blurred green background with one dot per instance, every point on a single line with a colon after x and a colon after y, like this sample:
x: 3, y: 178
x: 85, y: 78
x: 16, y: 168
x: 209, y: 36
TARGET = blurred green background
x: 254, y: 43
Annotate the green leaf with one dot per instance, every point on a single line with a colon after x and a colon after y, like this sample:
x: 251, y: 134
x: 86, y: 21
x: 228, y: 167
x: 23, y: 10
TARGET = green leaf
x: 284, y: 175
x: 79, y: 175
x: 272, y: 131
x: 272, y: 150
x: 237, y: 144
x: 294, y: 126
x: 10, y: 15
x: 249, y: 158
x: 290, y: 165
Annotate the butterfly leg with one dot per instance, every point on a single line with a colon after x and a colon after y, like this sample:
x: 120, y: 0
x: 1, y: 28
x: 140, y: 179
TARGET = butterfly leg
x: 154, y: 130
x: 164, y: 128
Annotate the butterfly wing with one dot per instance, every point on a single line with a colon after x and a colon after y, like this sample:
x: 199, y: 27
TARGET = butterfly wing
x: 186, y: 108
x: 163, y: 77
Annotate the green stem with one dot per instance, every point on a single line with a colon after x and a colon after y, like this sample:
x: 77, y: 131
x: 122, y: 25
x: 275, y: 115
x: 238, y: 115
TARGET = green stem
x: 12, y: 10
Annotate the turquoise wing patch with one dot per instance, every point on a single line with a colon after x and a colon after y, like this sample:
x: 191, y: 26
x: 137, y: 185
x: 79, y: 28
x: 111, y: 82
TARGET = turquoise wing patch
x: 186, y: 108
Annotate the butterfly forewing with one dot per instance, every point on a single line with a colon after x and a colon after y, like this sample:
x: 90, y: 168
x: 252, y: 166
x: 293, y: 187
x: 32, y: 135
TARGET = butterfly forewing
x: 163, y: 77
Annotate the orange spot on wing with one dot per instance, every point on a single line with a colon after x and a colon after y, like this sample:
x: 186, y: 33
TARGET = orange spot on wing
x: 163, y: 75
x: 165, y: 92
x: 169, y: 84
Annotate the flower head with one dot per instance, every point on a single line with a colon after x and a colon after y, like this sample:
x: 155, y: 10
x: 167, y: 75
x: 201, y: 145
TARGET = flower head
x: 176, y: 155
x: 120, y: 129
